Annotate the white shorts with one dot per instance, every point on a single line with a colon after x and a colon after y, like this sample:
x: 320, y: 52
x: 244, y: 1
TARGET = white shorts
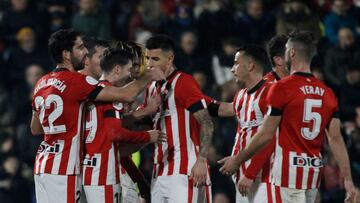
x: 103, y: 193
x: 177, y: 188
x: 289, y: 195
x: 128, y: 189
x: 259, y: 193
x: 57, y: 188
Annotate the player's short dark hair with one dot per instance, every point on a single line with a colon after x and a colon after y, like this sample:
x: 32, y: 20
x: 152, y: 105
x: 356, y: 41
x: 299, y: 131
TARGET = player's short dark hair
x: 113, y: 57
x: 62, y: 40
x: 91, y: 43
x: 256, y: 53
x: 305, y: 43
x: 276, y: 47
x: 163, y: 42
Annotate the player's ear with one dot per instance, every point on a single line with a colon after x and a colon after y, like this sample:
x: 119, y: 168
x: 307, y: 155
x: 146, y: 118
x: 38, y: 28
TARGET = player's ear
x: 66, y: 54
x: 171, y: 58
x: 251, y: 66
x: 292, y: 52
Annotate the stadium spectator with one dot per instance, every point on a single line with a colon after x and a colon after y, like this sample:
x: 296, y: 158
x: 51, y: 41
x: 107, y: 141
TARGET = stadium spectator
x: 91, y: 20
x: 255, y: 26
x: 339, y: 17
x: 336, y: 57
x: 295, y: 14
x: 189, y: 59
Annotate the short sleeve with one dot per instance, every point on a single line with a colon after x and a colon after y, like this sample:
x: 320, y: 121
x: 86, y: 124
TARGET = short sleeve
x: 85, y: 87
x: 189, y: 95
x: 276, y: 99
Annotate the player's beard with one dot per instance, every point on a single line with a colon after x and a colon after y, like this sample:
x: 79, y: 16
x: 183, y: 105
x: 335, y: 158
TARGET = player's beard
x: 77, y: 64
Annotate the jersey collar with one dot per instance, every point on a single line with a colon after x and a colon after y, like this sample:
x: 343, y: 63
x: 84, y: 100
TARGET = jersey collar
x: 304, y: 74
x: 277, y: 77
x: 60, y: 69
x: 256, y: 87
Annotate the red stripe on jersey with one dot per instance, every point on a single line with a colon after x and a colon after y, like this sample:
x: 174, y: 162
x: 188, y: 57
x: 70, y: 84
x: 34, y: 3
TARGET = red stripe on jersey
x: 117, y: 172
x: 65, y: 157
x: 310, y: 177
x: 207, y: 194
x: 190, y: 190
x: 319, y: 178
x: 299, y: 175
x: 103, y: 168
x: 170, y: 142
x: 184, y: 161
x: 268, y: 192
x: 285, y: 170
x: 71, y: 188
x: 49, y: 163
x: 109, y: 193
x: 87, y: 174
x: 161, y: 164
x: 277, y: 194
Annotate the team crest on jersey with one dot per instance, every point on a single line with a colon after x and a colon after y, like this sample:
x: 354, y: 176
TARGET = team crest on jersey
x: 91, y: 80
x: 118, y: 105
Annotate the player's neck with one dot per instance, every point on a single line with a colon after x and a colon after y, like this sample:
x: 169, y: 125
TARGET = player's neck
x: 66, y: 65
x: 300, y: 67
x: 169, y: 71
x: 253, y: 80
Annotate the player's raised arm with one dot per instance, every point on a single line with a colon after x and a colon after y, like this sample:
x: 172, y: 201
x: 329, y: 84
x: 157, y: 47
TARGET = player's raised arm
x: 338, y: 148
x: 129, y: 92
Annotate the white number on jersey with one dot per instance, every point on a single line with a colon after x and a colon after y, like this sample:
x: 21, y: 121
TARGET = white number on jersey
x: 309, y: 115
x: 44, y: 104
x: 91, y: 124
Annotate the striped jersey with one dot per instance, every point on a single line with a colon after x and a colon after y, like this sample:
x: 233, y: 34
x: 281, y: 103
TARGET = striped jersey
x: 181, y: 96
x: 250, y: 107
x: 58, y: 98
x: 306, y: 106
x: 102, y: 136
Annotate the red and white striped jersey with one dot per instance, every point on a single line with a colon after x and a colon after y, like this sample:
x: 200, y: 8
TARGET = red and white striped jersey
x: 181, y: 97
x: 103, y: 132
x: 271, y: 77
x: 250, y: 107
x: 58, y: 98
x: 306, y: 106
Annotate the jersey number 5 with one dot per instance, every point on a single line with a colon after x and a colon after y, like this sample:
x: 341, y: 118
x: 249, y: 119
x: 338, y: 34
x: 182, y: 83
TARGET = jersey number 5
x: 45, y: 104
x: 310, y: 115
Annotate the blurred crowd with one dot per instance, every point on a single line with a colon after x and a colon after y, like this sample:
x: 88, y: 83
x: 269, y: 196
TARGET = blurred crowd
x: 207, y: 33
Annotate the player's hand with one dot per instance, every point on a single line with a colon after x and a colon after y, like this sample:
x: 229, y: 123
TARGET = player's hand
x: 199, y: 172
x: 153, y: 104
x: 154, y: 74
x: 244, y: 185
x: 350, y: 191
x: 157, y: 136
x: 230, y: 165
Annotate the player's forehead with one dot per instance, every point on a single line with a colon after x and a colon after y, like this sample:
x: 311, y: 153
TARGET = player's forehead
x: 239, y: 55
x: 153, y: 52
x: 78, y: 42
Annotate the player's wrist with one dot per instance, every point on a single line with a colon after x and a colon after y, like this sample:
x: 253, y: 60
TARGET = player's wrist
x: 202, y: 158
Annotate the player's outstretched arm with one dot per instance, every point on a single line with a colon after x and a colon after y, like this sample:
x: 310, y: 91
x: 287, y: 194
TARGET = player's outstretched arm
x: 226, y: 109
x: 221, y: 109
x: 129, y: 92
x: 260, y: 140
x: 338, y: 148
x: 199, y: 170
x: 35, y: 125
